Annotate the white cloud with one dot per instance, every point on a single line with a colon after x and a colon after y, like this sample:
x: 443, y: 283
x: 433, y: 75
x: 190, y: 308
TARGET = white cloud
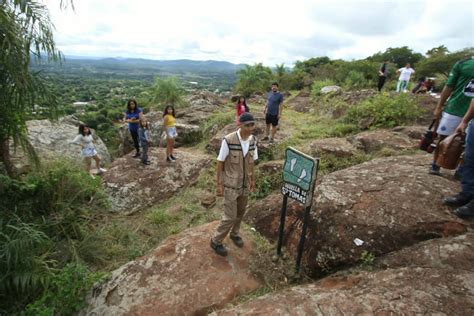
x: 259, y: 31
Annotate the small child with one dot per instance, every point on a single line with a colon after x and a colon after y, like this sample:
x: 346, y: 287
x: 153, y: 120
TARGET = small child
x: 169, y: 126
x: 88, y: 151
x: 145, y: 139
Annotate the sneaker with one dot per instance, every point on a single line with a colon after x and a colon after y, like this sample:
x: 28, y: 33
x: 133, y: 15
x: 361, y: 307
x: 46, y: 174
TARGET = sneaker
x: 172, y: 157
x: 137, y: 155
x: 219, y: 249
x: 466, y: 211
x: 458, y: 200
x: 168, y: 159
x: 146, y: 162
x: 101, y: 170
x: 271, y: 141
x: 237, y: 241
x: 434, y: 171
x: 265, y: 138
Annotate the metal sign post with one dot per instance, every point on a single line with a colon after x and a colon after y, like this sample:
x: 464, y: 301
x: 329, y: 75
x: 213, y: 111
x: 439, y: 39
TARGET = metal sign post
x: 299, y: 177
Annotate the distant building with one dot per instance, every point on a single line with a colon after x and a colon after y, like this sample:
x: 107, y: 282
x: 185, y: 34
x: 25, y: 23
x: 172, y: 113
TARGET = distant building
x: 193, y: 83
x: 80, y: 104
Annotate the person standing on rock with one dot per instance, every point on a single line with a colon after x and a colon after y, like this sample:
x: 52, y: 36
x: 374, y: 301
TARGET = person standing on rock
x: 273, y: 111
x: 132, y: 117
x: 404, y: 78
x: 235, y: 179
x: 464, y: 201
x: 169, y: 126
x: 383, y: 72
x: 88, y: 151
x: 452, y: 105
x: 240, y: 108
x: 145, y: 139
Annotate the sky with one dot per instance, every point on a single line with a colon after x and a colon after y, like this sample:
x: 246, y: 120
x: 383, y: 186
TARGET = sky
x: 254, y: 31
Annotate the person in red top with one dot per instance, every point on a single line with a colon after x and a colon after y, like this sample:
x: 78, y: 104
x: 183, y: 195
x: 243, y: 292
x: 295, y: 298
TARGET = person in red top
x: 241, y: 107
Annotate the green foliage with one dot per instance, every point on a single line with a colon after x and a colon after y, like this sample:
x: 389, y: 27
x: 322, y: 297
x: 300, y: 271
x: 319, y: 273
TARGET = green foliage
x: 355, y: 79
x: 384, y: 111
x: 367, y: 259
x: 265, y: 183
x: 168, y: 92
x: 252, y: 79
x: 398, y: 55
x: 331, y: 163
x: 66, y: 293
x: 24, y: 252
x: 26, y: 29
x: 216, y: 121
x: 441, y: 61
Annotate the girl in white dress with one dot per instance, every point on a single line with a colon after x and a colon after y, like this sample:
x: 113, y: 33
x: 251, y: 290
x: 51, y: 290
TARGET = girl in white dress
x: 88, y: 151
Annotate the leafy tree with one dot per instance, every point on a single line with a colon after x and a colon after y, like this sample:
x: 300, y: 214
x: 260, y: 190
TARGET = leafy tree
x: 436, y: 51
x: 398, y: 55
x: 251, y: 79
x: 440, y: 62
x: 25, y: 30
x: 168, y: 92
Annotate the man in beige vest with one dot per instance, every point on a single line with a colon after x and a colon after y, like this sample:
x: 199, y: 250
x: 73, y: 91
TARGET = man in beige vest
x: 235, y: 179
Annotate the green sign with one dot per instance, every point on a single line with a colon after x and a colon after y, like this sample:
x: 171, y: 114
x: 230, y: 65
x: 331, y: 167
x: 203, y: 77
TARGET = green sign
x: 299, y: 175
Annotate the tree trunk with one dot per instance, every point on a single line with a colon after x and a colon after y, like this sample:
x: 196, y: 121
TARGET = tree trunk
x: 5, y: 157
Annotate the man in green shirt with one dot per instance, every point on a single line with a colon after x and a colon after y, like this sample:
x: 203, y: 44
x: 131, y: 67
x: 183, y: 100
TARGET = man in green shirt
x: 449, y: 114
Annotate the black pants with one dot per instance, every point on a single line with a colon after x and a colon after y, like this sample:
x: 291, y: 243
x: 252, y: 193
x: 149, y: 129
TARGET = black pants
x: 381, y: 82
x: 135, y: 140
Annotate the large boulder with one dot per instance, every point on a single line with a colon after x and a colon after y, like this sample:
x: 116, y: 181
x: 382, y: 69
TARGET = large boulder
x: 52, y: 140
x: 388, y: 203
x: 133, y: 186
x: 414, y: 132
x: 439, y: 280
x: 183, y: 276
x: 371, y: 141
x: 300, y: 103
x: 331, y: 90
x: 338, y: 147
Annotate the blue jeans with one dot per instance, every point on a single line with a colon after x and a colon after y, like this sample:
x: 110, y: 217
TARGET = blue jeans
x: 467, y: 182
x: 402, y: 85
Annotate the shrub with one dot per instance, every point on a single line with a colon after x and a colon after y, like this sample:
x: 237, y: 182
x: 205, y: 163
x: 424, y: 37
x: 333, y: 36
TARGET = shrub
x: 66, y: 292
x: 384, y: 111
x: 355, y: 79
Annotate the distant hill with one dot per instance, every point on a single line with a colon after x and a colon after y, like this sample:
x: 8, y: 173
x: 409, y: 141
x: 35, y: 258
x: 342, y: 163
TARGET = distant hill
x: 212, y: 73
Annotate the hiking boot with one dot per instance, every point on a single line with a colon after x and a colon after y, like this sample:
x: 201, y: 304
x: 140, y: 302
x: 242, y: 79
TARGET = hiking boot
x: 146, y: 162
x: 137, y: 155
x: 435, y: 172
x: 458, y: 199
x: 219, y: 249
x: 237, y: 241
x: 271, y: 141
x: 466, y: 211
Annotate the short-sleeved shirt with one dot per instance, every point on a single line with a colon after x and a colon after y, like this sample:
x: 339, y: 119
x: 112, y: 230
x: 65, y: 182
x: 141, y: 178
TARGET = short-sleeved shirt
x: 133, y: 115
x: 460, y: 75
x: 169, y: 120
x: 405, y: 73
x: 274, y: 101
x: 224, y: 151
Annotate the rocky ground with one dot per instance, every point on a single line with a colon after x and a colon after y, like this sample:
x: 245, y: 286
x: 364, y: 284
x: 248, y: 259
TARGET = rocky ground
x: 415, y: 256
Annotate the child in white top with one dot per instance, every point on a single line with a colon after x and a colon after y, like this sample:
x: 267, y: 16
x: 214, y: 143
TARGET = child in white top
x: 88, y: 151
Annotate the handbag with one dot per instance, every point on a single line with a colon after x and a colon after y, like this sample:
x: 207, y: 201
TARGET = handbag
x: 449, y: 151
x: 427, y: 140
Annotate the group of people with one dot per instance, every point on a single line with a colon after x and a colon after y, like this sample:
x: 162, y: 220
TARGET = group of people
x: 139, y: 128
x: 403, y: 79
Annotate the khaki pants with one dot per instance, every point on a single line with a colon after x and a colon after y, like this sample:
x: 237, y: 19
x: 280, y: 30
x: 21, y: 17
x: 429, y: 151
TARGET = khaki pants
x: 235, y: 203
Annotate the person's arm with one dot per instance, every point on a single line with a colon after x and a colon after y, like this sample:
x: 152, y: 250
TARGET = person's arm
x: 219, y: 179
x: 223, y: 153
x: 465, y: 120
x: 252, y: 174
x: 445, y: 94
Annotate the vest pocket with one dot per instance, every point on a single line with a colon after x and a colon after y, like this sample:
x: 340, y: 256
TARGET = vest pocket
x: 234, y: 158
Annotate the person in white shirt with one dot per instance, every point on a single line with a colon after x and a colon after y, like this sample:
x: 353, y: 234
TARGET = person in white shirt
x: 404, y: 78
x: 88, y: 151
x: 235, y: 179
